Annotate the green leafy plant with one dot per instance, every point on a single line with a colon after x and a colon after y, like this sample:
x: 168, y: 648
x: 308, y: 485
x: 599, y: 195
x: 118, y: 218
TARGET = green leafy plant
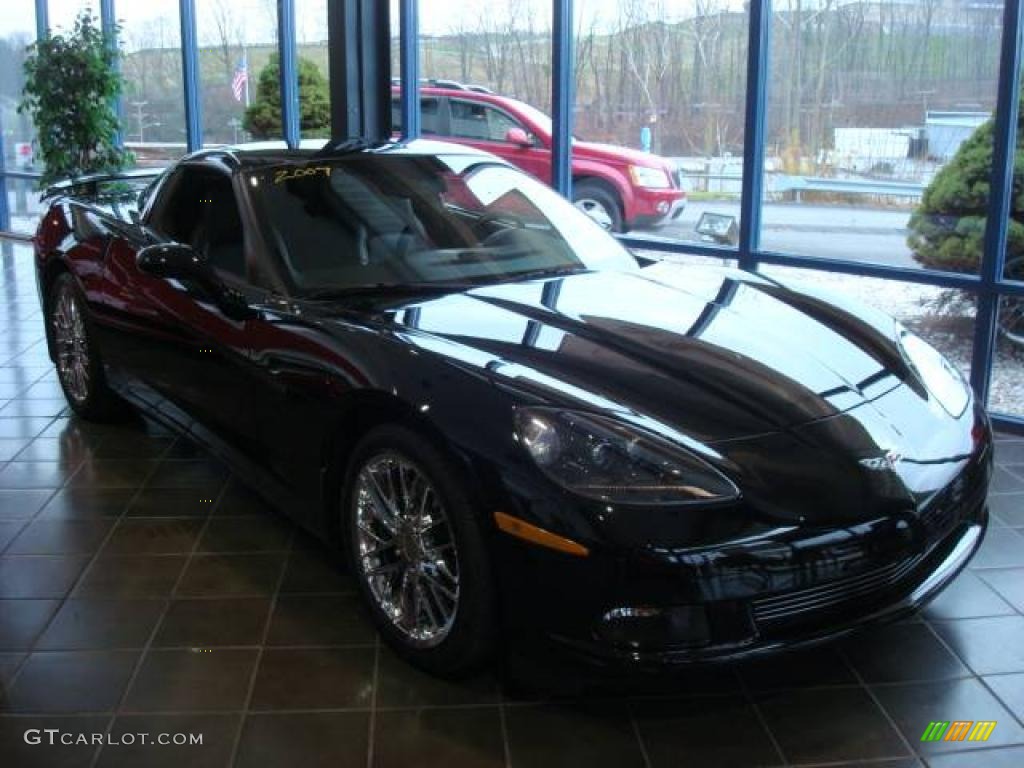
x: 947, y: 231
x: 71, y: 82
x: 263, y: 117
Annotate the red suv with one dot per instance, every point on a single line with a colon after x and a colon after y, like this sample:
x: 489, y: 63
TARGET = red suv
x: 618, y: 187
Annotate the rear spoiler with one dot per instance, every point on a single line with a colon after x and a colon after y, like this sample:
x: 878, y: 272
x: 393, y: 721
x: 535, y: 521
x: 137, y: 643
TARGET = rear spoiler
x: 89, y: 186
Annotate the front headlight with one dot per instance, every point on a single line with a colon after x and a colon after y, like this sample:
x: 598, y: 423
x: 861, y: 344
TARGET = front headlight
x: 651, y: 178
x: 938, y: 375
x: 600, y: 458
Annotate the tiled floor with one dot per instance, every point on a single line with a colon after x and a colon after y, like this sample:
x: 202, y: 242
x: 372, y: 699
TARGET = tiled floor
x: 142, y: 590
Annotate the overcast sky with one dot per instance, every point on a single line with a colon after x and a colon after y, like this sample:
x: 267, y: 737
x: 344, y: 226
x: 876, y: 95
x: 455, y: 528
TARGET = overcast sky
x: 258, y: 17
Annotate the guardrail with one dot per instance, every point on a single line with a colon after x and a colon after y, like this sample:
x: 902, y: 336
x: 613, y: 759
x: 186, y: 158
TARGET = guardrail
x: 782, y: 182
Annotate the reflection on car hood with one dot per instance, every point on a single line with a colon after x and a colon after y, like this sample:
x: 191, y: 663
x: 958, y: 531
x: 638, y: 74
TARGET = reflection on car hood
x: 718, y: 353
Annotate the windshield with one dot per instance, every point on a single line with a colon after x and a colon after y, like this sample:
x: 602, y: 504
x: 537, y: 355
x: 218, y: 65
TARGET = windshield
x: 369, y: 219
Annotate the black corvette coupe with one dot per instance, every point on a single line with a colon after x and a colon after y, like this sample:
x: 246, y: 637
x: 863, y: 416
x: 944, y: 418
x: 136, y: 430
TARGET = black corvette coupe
x: 509, y: 426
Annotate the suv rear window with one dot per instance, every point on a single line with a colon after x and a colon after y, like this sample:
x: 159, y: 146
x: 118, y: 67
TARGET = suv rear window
x: 430, y: 116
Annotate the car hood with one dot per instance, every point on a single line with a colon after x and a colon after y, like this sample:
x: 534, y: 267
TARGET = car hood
x: 720, y: 354
x: 598, y: 151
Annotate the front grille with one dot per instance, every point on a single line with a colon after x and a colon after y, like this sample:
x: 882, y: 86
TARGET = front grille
x: 792, y: 606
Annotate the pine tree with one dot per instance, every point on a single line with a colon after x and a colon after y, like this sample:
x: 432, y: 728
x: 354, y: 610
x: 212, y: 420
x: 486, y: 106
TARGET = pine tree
x: 263, y: 117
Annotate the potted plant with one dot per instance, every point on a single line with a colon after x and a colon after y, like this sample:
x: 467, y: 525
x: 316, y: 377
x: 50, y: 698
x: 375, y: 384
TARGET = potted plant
x: 71, y: 84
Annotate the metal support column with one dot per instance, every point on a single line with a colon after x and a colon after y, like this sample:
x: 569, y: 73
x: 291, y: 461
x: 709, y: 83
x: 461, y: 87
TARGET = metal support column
x: 359, y: 59
x: 190, y: 75
x: 563, y: 83
x: 1000, y: 200
x: 108, y: 23
x: 758, y: 44
x: 289, y: 72
x: 42, y: 19
x: 409, y: 61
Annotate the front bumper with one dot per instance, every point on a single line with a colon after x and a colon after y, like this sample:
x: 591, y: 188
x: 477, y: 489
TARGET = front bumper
x: 657, y: 208
x: 798, y: 586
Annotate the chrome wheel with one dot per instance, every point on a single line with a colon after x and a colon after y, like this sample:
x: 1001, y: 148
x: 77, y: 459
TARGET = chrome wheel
x: 406, y: 549
x: 595, y: 209
x: 72, y: 345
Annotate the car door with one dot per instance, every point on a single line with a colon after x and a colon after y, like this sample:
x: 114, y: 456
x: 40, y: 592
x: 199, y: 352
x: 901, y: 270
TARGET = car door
x: 485, y: 127
x: 173, y: 337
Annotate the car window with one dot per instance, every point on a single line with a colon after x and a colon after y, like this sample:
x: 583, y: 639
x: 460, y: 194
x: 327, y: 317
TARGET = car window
x: 430, y: 116
x: 201, y: 210
x: 368, y: 219
x: 472, y: 120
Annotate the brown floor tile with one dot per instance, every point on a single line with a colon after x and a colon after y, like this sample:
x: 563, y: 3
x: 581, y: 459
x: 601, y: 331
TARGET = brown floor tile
x: 60, y: 537
x: 436, y: 738
x: 171, y: 502
x: 323, y: 678
x: 87, y: 503
x: 205, y: 474
x: 197, y: 679
x: 708, y: 730
x: 19, y: 505
x: 315, y: 620
x: 22, y: 621
x: 1010, y: 690
x: 102, y: 624
x: 902, y: 653
x: 399, y: 684
x: 19, y: 475
x: 239, y: 499
x: 988, y: 646
x: 968, y: 597
x: 162, y: 536
x: 8, y: 530
x: 231, y: 575
x: 316, y: 571
x: 71, y: 681
x: 253, y: 533
x: 848, y: 725
x: 798, y: 669
x: 584, y: 734
x: 112, y: 473
x: 310, y: 740
x: 125, y: 576
x: 212, y: 622
x: 39, y: 576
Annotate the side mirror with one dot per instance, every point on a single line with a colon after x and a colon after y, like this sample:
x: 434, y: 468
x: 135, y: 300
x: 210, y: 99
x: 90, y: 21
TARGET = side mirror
x: 519, y: 137
x: 182, y: 262
x: 176, y: 260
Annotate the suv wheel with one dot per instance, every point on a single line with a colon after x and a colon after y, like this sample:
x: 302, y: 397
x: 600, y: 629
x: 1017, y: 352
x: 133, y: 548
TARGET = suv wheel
x: 599, y: 203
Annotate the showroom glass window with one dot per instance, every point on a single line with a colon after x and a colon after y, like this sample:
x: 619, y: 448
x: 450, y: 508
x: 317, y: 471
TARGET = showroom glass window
x: 670, y: 79
x: 18, y: 131
x: 153, y: 101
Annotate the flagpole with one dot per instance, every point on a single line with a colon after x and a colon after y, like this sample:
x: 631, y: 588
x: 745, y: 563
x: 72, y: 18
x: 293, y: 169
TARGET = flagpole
x: 245, y: 63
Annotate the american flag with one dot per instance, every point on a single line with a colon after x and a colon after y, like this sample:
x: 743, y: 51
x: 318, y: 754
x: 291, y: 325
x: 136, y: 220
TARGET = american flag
x: 240, y: 80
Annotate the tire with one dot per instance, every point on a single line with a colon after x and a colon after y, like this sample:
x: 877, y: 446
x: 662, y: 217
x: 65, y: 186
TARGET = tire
x: 600, y: 203
x: 77, y: 356
x: 404, y: 569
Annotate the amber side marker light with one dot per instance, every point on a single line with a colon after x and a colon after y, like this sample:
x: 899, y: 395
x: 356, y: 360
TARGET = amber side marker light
x: 523, y: 530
